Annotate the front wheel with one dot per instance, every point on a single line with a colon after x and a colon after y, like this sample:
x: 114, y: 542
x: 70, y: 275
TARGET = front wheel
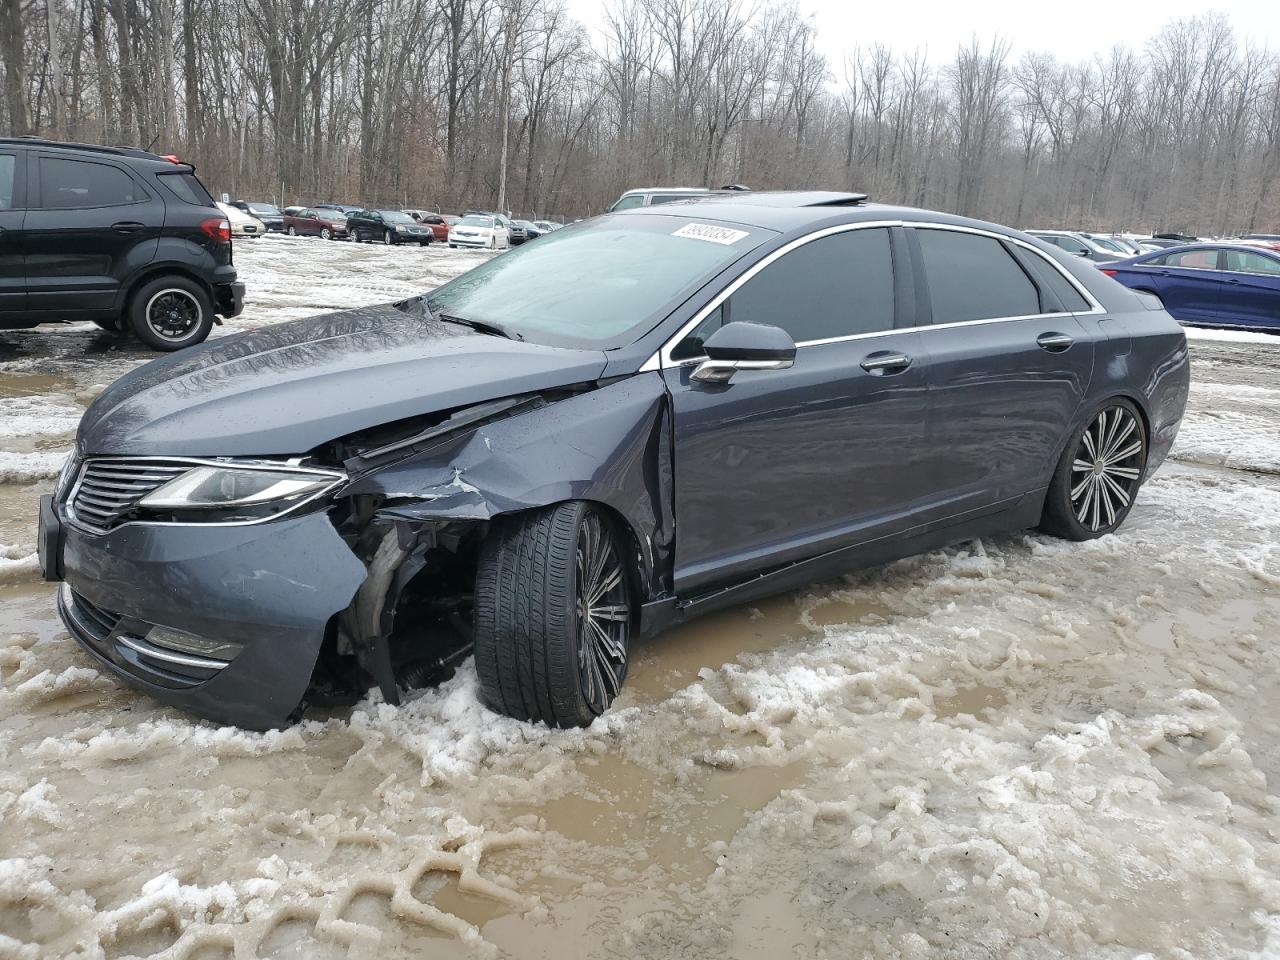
x: 1097, y: 479
x: 325, y: 234
x: 553, y: 615
x: 169, y: 313
x: 388, y: 237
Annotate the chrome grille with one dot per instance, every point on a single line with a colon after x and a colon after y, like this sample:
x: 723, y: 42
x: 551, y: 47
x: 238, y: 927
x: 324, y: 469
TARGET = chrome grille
x: 109, y: 488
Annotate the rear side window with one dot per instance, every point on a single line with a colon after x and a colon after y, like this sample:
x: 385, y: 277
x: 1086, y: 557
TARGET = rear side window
x: 835, y: 286
x: 187, y: 186
x: 658, y: 198
x: 1053, y: 285
x: 1238, y: 260
x: 1193, y: 260
x: 8, y: 174
x: 627, y: 202
x: 72, y: 184
x: 972, y: 277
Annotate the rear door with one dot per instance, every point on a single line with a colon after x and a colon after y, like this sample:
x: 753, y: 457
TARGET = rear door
x: 1190, y: 284
x: 781, y: 465
x: 13, y: 279
x: 1251, y: 288
x: 87, y: 221
x: 1008, y: 365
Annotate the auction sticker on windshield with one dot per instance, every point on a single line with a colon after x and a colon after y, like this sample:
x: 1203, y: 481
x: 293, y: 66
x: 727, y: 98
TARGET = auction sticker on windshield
x: 707, y: 231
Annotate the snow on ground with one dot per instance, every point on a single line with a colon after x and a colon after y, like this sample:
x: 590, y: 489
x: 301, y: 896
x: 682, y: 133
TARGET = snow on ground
x: 1016, y: 747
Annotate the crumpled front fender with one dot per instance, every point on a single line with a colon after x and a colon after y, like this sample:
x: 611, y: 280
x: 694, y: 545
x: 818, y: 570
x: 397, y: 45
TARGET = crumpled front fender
x: 611, y: 445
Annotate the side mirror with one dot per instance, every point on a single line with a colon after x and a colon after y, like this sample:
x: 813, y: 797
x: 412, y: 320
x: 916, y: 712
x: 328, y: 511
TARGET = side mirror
x: 745, y: 346
x: 1082, y: 253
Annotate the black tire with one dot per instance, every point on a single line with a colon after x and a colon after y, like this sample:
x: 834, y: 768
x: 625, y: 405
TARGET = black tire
x: 170, y: 312
x: 1097, y: 478
x: 114, y: 325
x: 529, y: 619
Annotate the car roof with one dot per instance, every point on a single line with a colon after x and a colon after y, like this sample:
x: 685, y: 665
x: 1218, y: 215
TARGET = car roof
x: 132, y: 153
x: 795, y: 210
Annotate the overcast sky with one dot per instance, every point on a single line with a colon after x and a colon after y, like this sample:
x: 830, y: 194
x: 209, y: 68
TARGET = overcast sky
x: 1071, y: 30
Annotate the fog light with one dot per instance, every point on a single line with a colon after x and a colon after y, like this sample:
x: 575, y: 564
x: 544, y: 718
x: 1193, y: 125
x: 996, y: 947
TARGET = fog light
x: 176, y: 640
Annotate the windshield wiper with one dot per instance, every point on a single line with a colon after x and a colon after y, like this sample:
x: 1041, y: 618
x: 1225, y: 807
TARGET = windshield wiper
x: 483, y: 326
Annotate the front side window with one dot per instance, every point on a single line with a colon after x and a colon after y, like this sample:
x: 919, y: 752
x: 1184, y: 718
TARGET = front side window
x: 972, y: 277
x: 601, y: 283
x: 627, y: 202
x: 1237, y: 260
x: 1193, y: 260
x: 836, y: 286
x: 8, y: 174
x: 73, y: 184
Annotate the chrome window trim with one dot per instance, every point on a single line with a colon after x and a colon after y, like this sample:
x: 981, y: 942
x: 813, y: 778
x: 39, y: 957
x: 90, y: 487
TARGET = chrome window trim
x: 662, y: 359
x: 291, y: 465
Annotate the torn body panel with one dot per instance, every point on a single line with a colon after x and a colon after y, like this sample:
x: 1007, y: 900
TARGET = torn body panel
x: 611, y: 445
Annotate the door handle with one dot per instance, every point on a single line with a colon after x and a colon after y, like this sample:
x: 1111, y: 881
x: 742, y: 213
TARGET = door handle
x: 1234, y: 282
x: 1054, y: 342
x: 128, y: 226
x: 884, y: 362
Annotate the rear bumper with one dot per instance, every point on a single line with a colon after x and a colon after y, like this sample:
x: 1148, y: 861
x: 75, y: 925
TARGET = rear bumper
x: 230, y: 299
x: 262, y: 595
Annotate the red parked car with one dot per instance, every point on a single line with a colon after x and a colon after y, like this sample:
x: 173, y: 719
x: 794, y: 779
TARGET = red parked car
x: 305, y: 222
x: 439, y: 229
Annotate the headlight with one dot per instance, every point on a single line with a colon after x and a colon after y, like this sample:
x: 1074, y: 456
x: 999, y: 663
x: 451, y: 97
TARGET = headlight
x: 65, y: 476
x: 401, y: 229
x: 236, y: 494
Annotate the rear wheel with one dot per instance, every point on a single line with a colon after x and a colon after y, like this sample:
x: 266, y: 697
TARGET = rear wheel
x: 169, y: 313
x: 1098, y: 477
x: 291, y: 231
x: 553, y: 614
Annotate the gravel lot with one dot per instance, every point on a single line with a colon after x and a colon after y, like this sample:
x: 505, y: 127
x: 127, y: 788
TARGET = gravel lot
x: 1017, y: 747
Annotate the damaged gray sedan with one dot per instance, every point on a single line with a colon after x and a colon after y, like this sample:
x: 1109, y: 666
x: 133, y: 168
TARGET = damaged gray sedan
x: 635, y: 420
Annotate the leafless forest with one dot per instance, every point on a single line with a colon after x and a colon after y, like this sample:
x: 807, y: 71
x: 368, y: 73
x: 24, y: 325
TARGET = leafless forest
x: 512, y: 102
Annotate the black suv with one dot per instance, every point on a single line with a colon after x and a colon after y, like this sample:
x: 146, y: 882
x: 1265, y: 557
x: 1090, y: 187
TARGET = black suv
x: 116, y: 235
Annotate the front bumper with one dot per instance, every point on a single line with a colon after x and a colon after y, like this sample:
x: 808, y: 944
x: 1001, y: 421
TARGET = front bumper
x: 268, y: 590
x: 485, y: 242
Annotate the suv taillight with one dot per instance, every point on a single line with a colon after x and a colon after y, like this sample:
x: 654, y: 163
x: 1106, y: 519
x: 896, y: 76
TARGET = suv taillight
x: 217, y: 228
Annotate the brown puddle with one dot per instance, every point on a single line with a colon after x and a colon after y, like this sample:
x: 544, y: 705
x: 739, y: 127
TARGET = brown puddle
x: 974, y: 701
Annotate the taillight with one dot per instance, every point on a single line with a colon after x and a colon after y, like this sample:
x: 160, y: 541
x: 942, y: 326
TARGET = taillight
x: 1110, y: 273
x: 218, y: 229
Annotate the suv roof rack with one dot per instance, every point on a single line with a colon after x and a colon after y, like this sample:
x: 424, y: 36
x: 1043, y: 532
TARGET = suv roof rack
x: 119, y: 151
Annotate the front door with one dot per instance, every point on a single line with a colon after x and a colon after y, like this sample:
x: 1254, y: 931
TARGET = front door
x: 89, y: 224
x: 1251, y: 288
x: 1008, y: 365
x: 13, y: 279
x: 781, y: 465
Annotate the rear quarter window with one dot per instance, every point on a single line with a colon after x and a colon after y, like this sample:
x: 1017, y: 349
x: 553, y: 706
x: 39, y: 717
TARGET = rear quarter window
x: 187, y: 187
x: 1053, y: 285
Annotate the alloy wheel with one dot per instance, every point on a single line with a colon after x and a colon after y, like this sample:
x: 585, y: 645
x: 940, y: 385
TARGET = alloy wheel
x: 292, y: 231
x: 1106, y: 469
x: 604, y: 614
x: 386, y: 237
x: 173, y: 314
x: 325, y: 234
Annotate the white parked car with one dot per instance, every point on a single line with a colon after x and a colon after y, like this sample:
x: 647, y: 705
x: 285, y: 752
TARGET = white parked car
x: 482, y: 232
x: 242, y: 225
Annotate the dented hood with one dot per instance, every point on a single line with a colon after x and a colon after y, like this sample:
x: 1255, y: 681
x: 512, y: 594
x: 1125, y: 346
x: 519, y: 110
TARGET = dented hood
x: 288, y: 388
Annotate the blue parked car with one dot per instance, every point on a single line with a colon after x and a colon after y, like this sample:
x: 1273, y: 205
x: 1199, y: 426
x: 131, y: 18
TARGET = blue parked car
x: 1214, y: 284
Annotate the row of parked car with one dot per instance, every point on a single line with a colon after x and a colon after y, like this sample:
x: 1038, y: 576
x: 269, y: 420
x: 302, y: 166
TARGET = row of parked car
x: 481, y: 229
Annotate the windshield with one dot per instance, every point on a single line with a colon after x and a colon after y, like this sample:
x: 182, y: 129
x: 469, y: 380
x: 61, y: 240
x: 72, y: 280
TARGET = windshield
x: 601, y: 283
x: 263, y: 208
x: 395, y: 216
x: 476, y: 222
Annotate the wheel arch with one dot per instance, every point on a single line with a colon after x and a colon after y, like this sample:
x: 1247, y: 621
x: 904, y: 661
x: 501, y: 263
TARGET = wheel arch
x: 156, y: 270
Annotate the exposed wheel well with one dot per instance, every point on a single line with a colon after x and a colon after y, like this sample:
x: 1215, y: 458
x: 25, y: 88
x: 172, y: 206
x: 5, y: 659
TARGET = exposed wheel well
x: 163, y: 270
